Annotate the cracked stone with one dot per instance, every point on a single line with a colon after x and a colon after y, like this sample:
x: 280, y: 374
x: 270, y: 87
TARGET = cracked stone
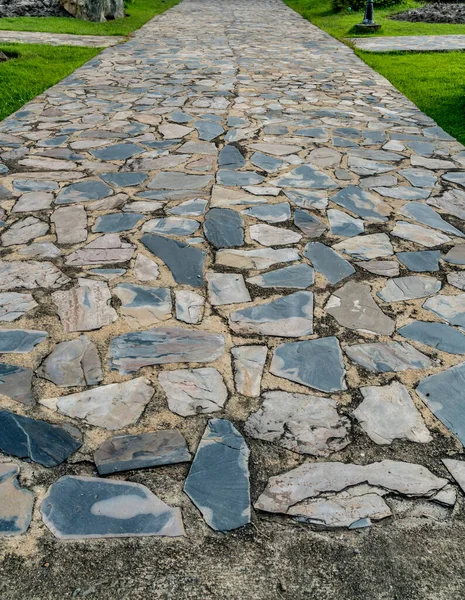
x: 106, y: 249
x: 383, y: 357
x: 14, y: 305
x: 23, y: 231
x: 30, y: 275
x: 249, y: 362
x: 457, y: 469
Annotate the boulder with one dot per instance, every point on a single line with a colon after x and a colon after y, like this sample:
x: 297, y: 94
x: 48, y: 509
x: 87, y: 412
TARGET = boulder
x: 94, y: 10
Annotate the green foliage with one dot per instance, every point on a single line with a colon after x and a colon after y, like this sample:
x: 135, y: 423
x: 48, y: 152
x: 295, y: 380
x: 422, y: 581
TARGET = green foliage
x: 355, y: 5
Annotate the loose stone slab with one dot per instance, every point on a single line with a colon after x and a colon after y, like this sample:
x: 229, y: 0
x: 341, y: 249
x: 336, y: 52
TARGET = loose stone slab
x: 271, y: 213
x: 15, y: 502
x: 143, y: 306
x: 189, y: 306
x: 316, y: 363
x: 224, y: 228
x: 301, y: 423
x: 366, y: 247
x: 362, y: 203
x: 386, y: 268
x: 128, y: 452
x: 88, y: 508
x: 85, y: 307
x: 267, y: 235
x: 436, y: 335
x: 226, y: 288
x: 145, y: 269
x: 112, y: 406
x: 70, y: 224
x: 73, y: 363
x: 255, y: 259
x: 383, y: 357
x: 106, y: 249
x: 23, y: 231
x: 353, y: 307
x: 426, y: 215
x: 194, y: 391
x: 418, y: 234
x: 295, y: 277
x: 457, y: 469
x: 448, y: 308
x: 344, y: 225
x: 443, y: 395
x: 14, y: 305
x: 16, y: 383
x: 218, y: 482
x: 388, y: 413
x: 328, y: 262
x: 19, y: 341
x: 84, y: 191
x: 408, y: 288
x: 46, y: 444
x: 421, y: 261
x: 184, y: 261
x: 289, y: 316
x: 249, y: 362
x: 132, y: 351
x: 30, y: 275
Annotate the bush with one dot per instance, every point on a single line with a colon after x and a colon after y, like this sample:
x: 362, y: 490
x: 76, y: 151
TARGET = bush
x: 340, y: 5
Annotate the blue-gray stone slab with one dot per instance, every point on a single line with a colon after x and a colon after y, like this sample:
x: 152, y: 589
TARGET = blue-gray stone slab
x: 328, y: 262
x: 308, y: 224
x: 443, y: 394
x: 124, y: 179
x: 117, y: 152
x: 306, y: 176
x: 223, y: 228
x: 132, y: 351
x: 383, y: 357
x: 307, y: 199
x: 208, y: 130
x: 85, y: 191
x: 419, y: 177
x: 17, y: 341
x: 230, y: 158
x: 171, y: 226
x: 294, y: 277
x: 116, y: 222
x: 88, y: 507
x: 424, y: 214
x: 128, y: 452
x: 193, y: 208
x: 270, y: 164
x: 344, y: 225
x: 238, y: 178
x: 421, y: 261
x: 16, y: 383
x: 436, y: 335
x: 318, y: 364
x: 362, y: 203
x: 184, y: 261
x: 35, y: 185
x: 218, y: 482
x: 46, y: 444
x: 271, y: 213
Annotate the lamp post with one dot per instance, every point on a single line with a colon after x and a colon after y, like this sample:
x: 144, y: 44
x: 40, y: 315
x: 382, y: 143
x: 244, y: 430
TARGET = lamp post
x: 368, y: 24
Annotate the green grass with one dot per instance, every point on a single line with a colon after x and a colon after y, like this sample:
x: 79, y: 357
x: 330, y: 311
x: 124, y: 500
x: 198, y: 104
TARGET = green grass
x: 138, y: 13
x: 341, y: 24
x: 33, y: 69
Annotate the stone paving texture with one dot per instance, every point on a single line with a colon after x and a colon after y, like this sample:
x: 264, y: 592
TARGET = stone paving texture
x: 59, y: 39
x: 181, y: 315
x: 411, y: 43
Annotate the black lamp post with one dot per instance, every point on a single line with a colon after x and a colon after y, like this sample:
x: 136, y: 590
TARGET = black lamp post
x: 368, y: 24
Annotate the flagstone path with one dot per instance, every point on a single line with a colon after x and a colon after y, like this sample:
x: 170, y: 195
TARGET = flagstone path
x: 59, y: 39
x: 228, y: 242
x: 411, y: 43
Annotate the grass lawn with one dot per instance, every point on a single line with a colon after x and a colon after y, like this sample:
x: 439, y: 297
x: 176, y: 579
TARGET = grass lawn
x: 33, y: 69
x: 138, y: 12
x: 341, y: 24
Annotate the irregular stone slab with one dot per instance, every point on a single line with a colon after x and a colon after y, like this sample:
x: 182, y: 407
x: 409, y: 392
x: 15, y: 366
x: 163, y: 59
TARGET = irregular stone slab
x: 172, y: 180
x: 344, y: 225
x: 353, y: 307
x: 386, y: 268
x: 142, y: 305
x: 269, y: 164
x: 106, y: 249
x: 208, y: 130
x: 301, y: 423
x: 85, y: 307
x: 73, y: 363
x: 23, y: 231
x: 325, y: 157
x: 366, y: 247
x: 271, y: 213
x: 424, y: 214
x: 189, y: 306
x: 306, y: 199
x: 117, y: 222
x: 224, y: 228
x: 238, y: 178
x: 33, y: 201
x: 457, y: 279
x: 443, y: 395
x: 226, y: 288
x: 388, y: 413
x: 403, y: 192
x: 448, y: 308
x: 15, y: 502
x: 457, y: 178
x: 230, y: 158
x: 249, y: 362
x: 117, y: 152
x: 88, y: 507
x: 19, y: 341
x: 456, y: 255
x: 171, y: 226
x: 46, y: 444
x: 108, y: 274
x: 299, y: 276
x: 30, y: 275
x: 192, y: 208
x: 145, y: 269
x: 383, y: 357
x: 267, y: 235
x: 308, y: 224
x: 304, y: 177
x: 408, y: 288
x: 194, y: 391
x: 255, y: 259
x: 289, y: 316
x: 112, y: 406
x: 328, y: 262
x: 420, y: 262
x: 170, y: 131
x: 451, y: 202
x: 40, y: 250
x: 419, y: 235
x: 436, y: 335
x: 419, y: 177
x: 70, y: 224
x: 132, y: 351
x: 84, y: 191
x: 222, y: 196
x: 14, y: 305
x: 316, y: 363
x: 275, y: 149
x: 184, y: 261
x: 128, y: 452
x: 457, y: 469
x: 362, y: 203
x: 124, y: 179
x: 218, y: 482
x: 284, y: 492
x: 16, y: 383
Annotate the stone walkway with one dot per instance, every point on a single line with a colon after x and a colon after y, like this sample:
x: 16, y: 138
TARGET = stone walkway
x: 59, y: 39
x: 229, y: 243
x: 411, y: 43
